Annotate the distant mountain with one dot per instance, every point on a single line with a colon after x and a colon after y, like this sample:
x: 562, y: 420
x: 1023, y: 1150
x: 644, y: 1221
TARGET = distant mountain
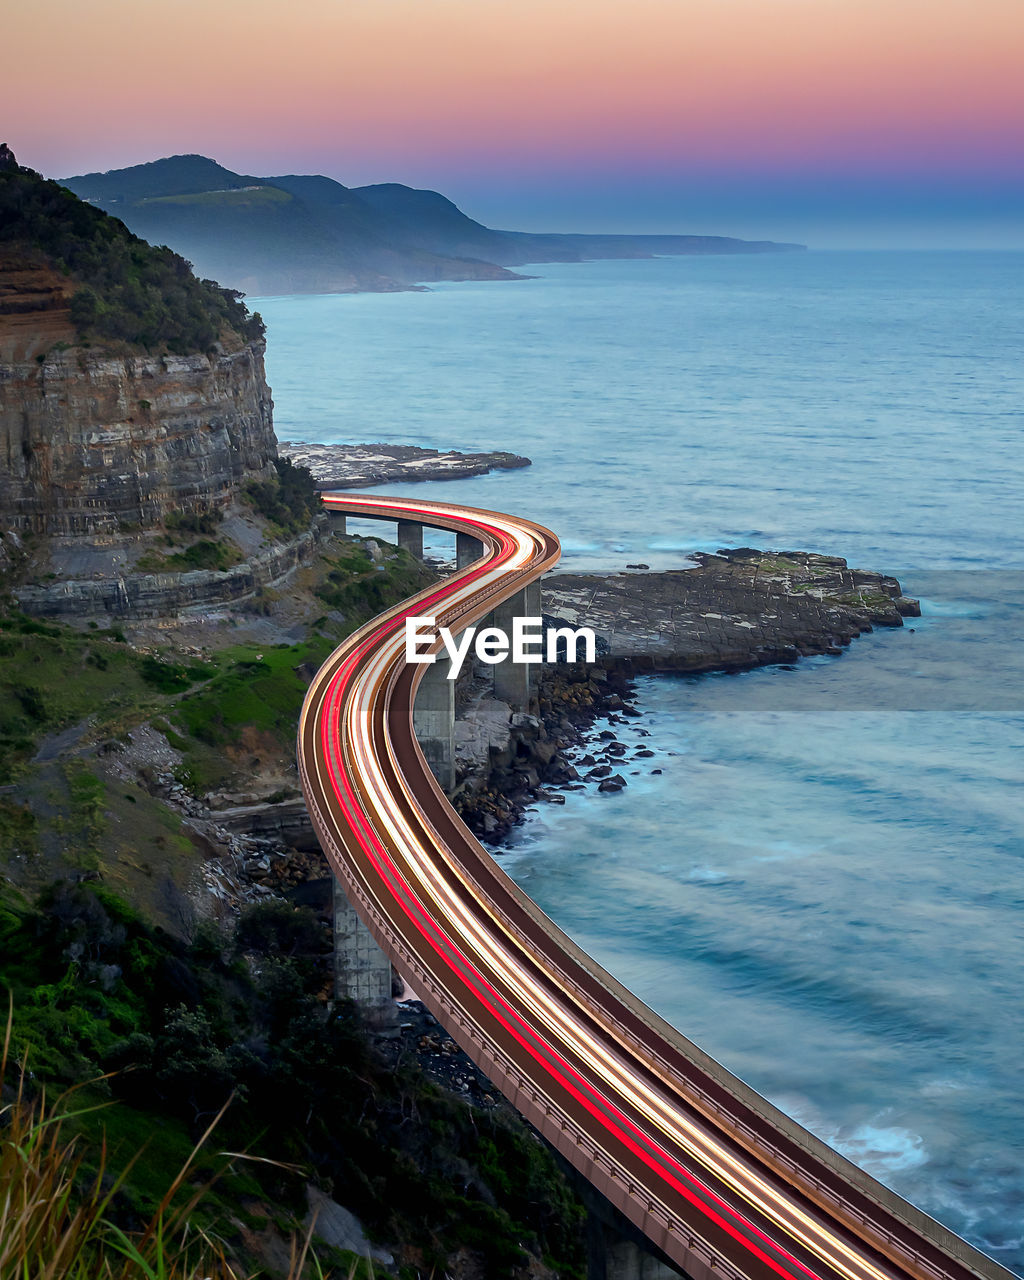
x: 177, y: 175
x: 431, y: 221
x: 267, y: 235
x: 378, y: 243
x: 309, y: 234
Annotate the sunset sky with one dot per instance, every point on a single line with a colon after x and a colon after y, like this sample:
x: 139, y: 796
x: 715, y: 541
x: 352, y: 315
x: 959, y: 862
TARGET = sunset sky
x: 837, y: 122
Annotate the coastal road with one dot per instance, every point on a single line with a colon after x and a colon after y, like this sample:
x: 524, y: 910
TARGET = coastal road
x: 717, y: 1179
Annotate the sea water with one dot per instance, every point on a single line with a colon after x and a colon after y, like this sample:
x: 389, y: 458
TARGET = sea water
x: 825, y: 885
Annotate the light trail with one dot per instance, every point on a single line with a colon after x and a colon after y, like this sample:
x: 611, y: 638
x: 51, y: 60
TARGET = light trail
x: 716, y: 1179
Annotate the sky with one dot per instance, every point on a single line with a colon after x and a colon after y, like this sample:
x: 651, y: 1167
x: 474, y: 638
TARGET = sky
x: 838, y: 123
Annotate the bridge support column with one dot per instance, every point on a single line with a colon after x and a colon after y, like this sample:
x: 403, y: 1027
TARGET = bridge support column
x: 512, y: 682
x: 616, y: 1249
x: 362, y: 972
x: 467, y: 549
x: 339, y: 523
x: 611, y: 1256
x: 433, y: 719
x: 410, y: 536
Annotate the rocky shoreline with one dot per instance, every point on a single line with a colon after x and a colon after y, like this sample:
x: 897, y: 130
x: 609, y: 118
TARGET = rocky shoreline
x: 358, y: 466
x: 506, y: 762
x: 734, y: 611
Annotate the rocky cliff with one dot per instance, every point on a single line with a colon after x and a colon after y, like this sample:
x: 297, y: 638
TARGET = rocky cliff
x: 134, y: 416
x: 94, y: 443
x: 98, y: 447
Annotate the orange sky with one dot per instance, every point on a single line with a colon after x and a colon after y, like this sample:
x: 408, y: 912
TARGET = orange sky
x: 369, y: 90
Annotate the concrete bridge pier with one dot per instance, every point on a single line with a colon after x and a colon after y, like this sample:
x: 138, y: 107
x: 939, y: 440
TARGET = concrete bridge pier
x: 362, y: 972
x: 410, y: 536
x: 512, y: 680
x: 433, y: 719
x: 611, y: 1256
x: 467, y: 549
x: 339, y: 522
x: 616, y: 1249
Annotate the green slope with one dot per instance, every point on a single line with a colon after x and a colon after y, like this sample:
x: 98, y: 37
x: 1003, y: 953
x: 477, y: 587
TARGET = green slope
x: 123, y: 289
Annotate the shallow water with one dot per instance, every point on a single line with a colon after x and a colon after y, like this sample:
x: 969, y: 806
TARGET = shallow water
x: 833, y: 858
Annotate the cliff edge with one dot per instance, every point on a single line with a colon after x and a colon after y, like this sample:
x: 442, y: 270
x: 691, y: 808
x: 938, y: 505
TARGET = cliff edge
x: 135, y: 415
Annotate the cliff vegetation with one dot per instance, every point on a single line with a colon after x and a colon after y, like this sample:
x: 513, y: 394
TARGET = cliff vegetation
x: 131, y: 392
x: 185, y: 1028
x: 121, y: 288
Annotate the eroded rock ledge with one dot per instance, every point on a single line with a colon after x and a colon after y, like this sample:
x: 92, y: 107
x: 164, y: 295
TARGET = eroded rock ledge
x: 133, y: 597
x: 736, y: 610
x: 358, y: 466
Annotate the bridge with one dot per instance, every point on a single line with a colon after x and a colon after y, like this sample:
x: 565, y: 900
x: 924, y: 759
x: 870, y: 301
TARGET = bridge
x: 718, y: 1181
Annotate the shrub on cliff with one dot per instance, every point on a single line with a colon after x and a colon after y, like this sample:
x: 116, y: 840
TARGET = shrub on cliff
x: 129, y: 291
x: 290, y: 500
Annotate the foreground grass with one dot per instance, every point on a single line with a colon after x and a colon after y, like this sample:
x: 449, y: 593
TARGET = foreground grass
x: 109, y: 1010
x: 58, y: 1221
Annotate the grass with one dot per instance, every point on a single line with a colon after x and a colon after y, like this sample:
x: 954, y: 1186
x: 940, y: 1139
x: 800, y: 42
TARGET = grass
x: 208, y: 553
x: 94, y: 688
x: 59, y: 1210
x: 254, y: 686
x: 88, y: 795
x: 870, y: 600
x: 261, y: 688
x: 238, y: 196
x: 355, y: 585
x: 52, y: 678
x: 97, y: 991
x: 19, y: 834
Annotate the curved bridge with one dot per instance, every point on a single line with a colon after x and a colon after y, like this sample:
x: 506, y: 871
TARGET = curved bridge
x: 717, y: 1179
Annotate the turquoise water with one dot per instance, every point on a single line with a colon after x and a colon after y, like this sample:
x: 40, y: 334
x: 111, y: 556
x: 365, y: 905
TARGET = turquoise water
x: 824, y: 887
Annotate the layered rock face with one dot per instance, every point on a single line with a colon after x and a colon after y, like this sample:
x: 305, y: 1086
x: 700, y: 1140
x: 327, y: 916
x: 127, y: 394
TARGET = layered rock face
x: 94, y: 443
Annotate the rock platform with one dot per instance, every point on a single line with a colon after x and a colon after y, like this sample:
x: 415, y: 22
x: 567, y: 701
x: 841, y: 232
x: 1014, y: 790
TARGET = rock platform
x: 358, y: 466
x: 735, y: 610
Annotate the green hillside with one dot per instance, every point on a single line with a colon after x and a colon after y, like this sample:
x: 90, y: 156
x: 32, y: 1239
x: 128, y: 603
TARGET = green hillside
x: 237, y: 197
x: 175, y: 175
x: 122, y: 289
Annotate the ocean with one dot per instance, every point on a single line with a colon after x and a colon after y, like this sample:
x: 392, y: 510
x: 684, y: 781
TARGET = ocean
x: 824, y: 886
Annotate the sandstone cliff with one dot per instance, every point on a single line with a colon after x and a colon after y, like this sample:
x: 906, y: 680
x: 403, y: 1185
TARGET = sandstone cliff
x: 133, y: 400
x: 96, y: 443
